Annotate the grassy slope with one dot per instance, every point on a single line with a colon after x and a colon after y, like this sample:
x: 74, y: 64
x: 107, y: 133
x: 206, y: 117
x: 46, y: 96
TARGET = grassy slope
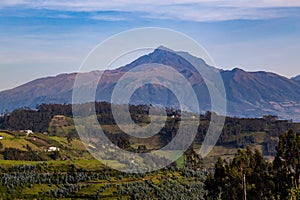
x: 77, y: 151
x: 76, y: 154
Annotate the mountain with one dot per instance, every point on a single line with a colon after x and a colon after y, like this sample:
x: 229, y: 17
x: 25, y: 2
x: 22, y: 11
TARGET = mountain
x: 260, y: 93
x: 249, y: 94
x: 297, y: 78
x: 56, y: 89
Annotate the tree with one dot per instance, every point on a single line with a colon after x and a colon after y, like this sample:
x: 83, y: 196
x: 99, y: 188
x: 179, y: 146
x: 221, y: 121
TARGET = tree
x: 215, y: 183
x: 287, y: 164
x: 193, y: 159
x: 245, y: 176
x: 70, y: 136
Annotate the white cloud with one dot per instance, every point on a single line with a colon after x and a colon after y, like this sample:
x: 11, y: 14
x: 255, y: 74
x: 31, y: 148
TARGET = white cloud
x: 192, y: 10
x: 10, y: 3
x: 199, y: 13
x: 108, y: 18
x: 89, y: 5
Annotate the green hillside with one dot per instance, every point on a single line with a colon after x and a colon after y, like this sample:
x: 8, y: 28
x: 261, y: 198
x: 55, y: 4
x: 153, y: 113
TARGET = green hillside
x: 52, y: 162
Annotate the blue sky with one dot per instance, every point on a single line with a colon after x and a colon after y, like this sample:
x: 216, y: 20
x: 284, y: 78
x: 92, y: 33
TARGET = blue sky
x: 42, y: 38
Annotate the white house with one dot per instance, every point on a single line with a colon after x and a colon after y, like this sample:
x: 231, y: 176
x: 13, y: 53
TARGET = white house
x: 1, y: 137
x: 51, y: 149
x: 28, y: 132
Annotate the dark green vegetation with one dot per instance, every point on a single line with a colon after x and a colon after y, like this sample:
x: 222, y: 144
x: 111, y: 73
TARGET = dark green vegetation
x: 247, y: 171
x: 68, y: 181
x: 248, y: 174
x: 30, y: 170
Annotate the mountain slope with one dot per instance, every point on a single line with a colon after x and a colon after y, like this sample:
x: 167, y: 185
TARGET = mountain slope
x: 56, y: 89
x: 297, y: 79
x: 249, y: 94
x: 260, y: 93
x: 154, y: 94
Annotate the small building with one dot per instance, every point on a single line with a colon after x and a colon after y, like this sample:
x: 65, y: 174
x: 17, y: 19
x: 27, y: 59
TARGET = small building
x: 59, y: 120
x: 51, y: 149
x: 28, y: 131
x: 1, y: 137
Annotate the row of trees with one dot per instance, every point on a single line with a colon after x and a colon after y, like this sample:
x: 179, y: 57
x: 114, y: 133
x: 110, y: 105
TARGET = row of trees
x: 249, y: 176
x: 169, y: 183
x: 38, y: 120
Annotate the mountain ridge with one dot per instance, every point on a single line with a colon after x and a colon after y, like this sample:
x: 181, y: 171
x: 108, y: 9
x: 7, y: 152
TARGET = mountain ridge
x: 296, y: 78
x: 249, y: 94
